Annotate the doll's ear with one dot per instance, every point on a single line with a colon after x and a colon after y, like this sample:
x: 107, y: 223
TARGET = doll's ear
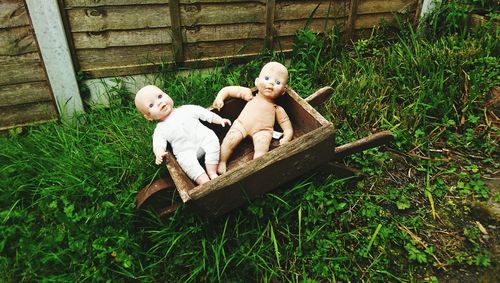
x: 148, y: 117
x: 256, y: 81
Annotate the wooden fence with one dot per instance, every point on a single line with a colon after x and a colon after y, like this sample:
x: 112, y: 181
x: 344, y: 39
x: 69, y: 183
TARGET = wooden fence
x: 25, y: 94
x: 110, y: 38
x: 119, y: 37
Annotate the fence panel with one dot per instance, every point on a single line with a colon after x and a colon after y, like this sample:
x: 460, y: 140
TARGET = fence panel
x: 25, y: 94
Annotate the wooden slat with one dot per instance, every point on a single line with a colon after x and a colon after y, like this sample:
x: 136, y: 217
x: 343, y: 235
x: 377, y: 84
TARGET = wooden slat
x: 13, y: 116
x: 284, y: 43
x: 13, y: 14
x: 119, y: 18
x: 21, y: 69
x: 223, y: 13
x: 292, y: 10
x: 222, y: 48
x: 221, y: 1
x: 287, y: 28
x: 149, y: 68
x: 99, y: 3
x: 113, y: 71
x: 381, y: 6
x: 105, y: 39
x: 15, y: 41
x: 224, y: 32
x: 372, y: 20
x: 118, y: 57
x: 24, y: 93
x: 264, y: 173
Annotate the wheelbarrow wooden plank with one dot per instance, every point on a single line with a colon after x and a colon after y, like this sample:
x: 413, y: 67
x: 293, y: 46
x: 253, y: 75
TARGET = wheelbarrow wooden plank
x: 264, y: 174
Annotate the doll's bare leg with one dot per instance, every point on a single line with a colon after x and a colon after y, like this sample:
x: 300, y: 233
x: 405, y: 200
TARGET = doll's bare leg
x: 212, y: 170
x: 261, y: 142
x: 202, y: 179
x: 235, y: 135
x: 211, y: 147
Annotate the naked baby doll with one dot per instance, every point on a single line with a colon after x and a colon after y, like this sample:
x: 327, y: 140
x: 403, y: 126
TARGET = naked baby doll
x: 259, y: 115
x: 181, y: 127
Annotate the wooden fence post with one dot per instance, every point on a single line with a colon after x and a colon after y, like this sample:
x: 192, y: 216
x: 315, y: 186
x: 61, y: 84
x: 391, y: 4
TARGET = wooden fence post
x: 351, y: 22
x: 269, y: 41
x: 51, y: 37
x: 175, y: 20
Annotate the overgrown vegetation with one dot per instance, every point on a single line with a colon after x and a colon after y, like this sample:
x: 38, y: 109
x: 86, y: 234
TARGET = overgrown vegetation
x: 67, y: 191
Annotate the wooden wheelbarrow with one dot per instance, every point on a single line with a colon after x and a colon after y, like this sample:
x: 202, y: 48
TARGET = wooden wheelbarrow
x: 313, y: 146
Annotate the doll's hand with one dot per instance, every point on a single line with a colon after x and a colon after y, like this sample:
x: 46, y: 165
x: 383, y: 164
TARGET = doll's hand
x: 218, y: 103
x: 283, y: 141
x: 225, y: 122
x: 159, y: 157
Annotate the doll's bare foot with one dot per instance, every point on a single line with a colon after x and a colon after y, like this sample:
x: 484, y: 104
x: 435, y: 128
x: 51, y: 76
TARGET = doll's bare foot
x: 221, y: 169
x: 212, y: 171
x: 202, y: 179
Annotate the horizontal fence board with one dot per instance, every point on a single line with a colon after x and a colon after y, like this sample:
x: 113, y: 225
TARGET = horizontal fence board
x: 119, y: 18
x: 13, y: 116
x: 287, y: 28
x: 382, y: 6
x: 21, y: 69
x: 222, y: 48
x: 121, y: 57
x: 13, y: 14
x: 222, y: 13
x: 224, y: 32
x: 105, y: 39
x: 373, y: 20
x: 16, y: 41
x: 24, y: 93
x: 33, y: 58
x: 284, y: 43
x: 292, y: 10
x: 99, y: 3
x: 113, y: 71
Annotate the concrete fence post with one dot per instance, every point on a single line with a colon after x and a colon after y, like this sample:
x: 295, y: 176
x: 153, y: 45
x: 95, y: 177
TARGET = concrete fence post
x: 54, y: 48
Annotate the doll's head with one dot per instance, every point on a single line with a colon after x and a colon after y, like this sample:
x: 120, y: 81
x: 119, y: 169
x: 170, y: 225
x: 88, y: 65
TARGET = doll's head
x: 153, y: 103
x: 272, y: 80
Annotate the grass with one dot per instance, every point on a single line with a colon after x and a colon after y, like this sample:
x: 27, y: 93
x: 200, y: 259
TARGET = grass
x: 67, y: 191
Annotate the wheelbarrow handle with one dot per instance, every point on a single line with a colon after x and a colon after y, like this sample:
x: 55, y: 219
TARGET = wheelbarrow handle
x: 374, y: 140
x: 320, y: 96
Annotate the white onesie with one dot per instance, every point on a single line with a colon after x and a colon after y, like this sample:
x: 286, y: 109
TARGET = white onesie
x: 189, y: 138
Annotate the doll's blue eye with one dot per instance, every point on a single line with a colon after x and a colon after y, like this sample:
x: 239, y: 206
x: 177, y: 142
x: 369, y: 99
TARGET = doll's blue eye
x: 160, y: 96
x: 278, y: 82
x: 266, y: 78
x: 151, y: 105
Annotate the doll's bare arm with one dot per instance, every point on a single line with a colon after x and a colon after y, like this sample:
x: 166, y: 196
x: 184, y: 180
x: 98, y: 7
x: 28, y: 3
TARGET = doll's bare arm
x: 231, y: 91
x: 159, y: 147
x: 285, y: 124
x: 216, y: 119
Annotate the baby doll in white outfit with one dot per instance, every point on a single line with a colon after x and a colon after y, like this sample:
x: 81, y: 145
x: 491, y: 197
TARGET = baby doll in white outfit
x: 181, y: 127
